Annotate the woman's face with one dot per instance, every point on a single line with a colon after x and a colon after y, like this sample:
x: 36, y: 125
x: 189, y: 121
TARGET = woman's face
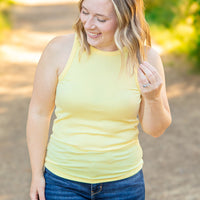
x: 100, y: 23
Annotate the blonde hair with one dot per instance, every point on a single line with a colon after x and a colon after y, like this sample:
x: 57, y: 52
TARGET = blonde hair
x: 132, y: 32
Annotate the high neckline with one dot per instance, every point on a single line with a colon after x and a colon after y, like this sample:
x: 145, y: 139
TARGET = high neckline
x: 115, y: 52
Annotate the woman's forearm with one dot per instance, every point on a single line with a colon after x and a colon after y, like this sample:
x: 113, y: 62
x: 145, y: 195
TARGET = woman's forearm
x: 37, y: 138
x: 156, y: 119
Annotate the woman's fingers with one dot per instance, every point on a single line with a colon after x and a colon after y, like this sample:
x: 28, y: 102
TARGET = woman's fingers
x: 142, y: 79
x: 37, y: 190
x: 34, y: 195
x: 41, y: 193
x: 153, y: 70
x: 41, y: 189
x: 38, y: 195
x: 149, y: 80
x: 148, y: 73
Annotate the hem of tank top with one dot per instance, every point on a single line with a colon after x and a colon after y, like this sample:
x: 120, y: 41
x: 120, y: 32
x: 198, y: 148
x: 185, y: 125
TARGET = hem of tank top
x: 92, y: 181
x: 70, y: 59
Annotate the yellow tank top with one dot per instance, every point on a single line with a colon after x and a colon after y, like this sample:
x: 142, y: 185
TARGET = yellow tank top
x: 95, y: 135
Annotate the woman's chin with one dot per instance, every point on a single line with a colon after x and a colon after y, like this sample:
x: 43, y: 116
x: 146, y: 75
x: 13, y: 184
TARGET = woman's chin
x: 93, y: 43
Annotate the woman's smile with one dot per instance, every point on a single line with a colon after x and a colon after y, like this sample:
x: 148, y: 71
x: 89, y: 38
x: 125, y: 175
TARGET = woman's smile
x: 93, y: 35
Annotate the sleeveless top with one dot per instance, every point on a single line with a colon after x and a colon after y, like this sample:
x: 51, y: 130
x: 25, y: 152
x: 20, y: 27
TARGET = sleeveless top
x: 95, y: 134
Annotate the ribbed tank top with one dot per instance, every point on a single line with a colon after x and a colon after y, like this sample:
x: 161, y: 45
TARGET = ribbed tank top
x: 95, y: 133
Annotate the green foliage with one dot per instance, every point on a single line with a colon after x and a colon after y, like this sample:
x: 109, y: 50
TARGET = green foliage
x: 4, y: 4
x: 160, y: 12
x: 4, y: 20
x: 5, y: 24
x: 194, y: 12
x: 176, y: 26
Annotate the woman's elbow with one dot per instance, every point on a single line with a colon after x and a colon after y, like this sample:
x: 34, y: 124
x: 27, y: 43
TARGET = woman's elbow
x: 159, y: 130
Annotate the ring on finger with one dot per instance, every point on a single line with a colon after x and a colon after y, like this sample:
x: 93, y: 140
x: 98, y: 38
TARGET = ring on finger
x: 146, y: 85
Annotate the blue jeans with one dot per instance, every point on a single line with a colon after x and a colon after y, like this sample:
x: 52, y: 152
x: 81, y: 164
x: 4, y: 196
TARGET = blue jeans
x: 58, y: 188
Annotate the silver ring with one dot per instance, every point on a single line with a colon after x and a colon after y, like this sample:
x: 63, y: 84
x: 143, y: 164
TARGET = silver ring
x: 146, y: 85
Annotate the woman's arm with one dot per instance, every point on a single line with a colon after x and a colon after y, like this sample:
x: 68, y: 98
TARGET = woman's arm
x: 40, y: 110
x: 154, y: 113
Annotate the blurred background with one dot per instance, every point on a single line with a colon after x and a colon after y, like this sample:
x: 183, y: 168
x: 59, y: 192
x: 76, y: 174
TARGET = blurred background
x: 171, y: 162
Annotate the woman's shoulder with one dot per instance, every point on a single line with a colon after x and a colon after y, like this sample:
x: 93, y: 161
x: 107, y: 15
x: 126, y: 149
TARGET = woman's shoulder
x: 60, y: 43
x: 151, y: 53
x: 57, y: 51
x: 55, y: 55
x: 153, y: 57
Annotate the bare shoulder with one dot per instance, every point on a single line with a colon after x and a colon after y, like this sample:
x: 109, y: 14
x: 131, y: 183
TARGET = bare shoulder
x: 60, y: 43
x: 153, y: 57
x: 57, y: 52
x: 46, y: 76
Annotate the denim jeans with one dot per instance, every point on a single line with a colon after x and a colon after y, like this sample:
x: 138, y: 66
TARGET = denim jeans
x: 58, y: 188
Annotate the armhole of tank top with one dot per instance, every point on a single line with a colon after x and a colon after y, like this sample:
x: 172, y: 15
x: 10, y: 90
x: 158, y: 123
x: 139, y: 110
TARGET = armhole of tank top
x: 70, y: 59
x: 136, y: 78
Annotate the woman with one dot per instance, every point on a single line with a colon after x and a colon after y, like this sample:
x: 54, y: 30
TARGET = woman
x: 100, y: 79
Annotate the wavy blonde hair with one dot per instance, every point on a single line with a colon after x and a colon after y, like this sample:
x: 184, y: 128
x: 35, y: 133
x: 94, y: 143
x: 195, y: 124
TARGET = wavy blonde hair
x: 132, y: 32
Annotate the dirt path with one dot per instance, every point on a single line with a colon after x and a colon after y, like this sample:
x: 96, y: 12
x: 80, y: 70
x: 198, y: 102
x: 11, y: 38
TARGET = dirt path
x: 172, y: 161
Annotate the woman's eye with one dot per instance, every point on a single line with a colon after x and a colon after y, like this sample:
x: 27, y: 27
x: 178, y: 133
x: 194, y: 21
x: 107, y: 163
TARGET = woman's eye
x: 85, y: 13
x: 101, y: 20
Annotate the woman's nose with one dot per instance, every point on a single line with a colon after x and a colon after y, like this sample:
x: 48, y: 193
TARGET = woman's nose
x: 89, y: 23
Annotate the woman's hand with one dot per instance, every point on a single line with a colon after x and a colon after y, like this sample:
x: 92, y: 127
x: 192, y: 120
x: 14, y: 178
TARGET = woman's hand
x: 150, y: 81
x: 37, y: 191
x: 154, y: 113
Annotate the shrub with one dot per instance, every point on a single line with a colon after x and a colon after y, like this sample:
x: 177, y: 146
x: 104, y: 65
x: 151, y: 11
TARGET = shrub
x: 176, y: 26
x: 5, y: 23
